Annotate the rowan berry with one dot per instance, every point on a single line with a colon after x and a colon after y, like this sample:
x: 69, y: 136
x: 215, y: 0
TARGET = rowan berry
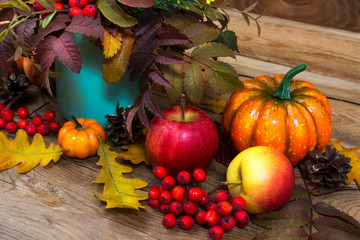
x: 11, y: 127
x: 165, y: 197
x: 216, y: 232
x: 195, y: 194
x: 75, y: 11
x: 72, y: 3
x: 2, y: 106
x: 178, y: 193
x: 2, y: 123
x: 165, y: 208
x: 37, y: 5
x: 31, y: 129
x: 205, y: 199
x: 154, y: 203
x: 223, y: 208
x: 168, y: 182
x: 227, y: 222
x: 242, y: 218
x: 211, y: 218
x: 49, y: 116
x: 186, y: 222
x: 7, y: 114
x: 37, y: 120
x: 58, y: 1
x: 183, y: 177
x: 44, y: 15
x: 238, y: 203
x: 222, y: 195
x: 176, y: 208
x: 154, y: 193
x: 189, y: 208
x: 55, y: 126
x: 200, y: 216
x: 210, y: 206
x: 169, y: 220
x: 23, y: 123
x: 44, y: 129
x: 159, y: 172
x: 199, y: 175
x: 59, y: 5
x: 22, y: 112
x: 89, y: 10
x: 81, y: 3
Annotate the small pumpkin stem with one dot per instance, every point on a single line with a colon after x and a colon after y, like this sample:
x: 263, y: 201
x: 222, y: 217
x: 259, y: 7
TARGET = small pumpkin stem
x: 78, y: 125
x: 283, y: 91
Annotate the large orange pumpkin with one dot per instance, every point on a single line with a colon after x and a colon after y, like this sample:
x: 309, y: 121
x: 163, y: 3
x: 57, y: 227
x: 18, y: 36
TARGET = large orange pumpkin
x: 290, y: 116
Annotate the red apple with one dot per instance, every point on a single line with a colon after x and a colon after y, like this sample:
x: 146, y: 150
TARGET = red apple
x: 263, y: 176
x: 182, y: 141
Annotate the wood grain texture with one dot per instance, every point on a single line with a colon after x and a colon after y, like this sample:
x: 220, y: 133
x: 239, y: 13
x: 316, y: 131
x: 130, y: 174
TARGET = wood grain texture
x: 326, y: 51
x: 339, y: 14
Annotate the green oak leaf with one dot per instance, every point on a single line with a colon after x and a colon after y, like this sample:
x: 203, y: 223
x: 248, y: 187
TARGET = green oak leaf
x: 113, y: 12
x: 212, y: 49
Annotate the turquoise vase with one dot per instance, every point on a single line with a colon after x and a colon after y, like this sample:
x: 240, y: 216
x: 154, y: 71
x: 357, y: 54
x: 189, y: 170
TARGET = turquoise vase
x: 87, y: 95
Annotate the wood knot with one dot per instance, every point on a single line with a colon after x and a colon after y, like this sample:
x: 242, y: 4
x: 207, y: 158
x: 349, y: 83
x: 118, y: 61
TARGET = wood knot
x: 45, y: 192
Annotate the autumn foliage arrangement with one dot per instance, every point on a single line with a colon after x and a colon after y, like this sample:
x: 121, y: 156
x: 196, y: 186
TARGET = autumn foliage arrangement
x: 172, y: 45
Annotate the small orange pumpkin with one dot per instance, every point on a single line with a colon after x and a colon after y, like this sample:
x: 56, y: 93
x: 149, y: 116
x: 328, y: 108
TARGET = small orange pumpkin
x: 290, y: 116
x: 79, y: 137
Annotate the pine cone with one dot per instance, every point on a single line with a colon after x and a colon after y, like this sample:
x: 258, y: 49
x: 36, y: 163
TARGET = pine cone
x: 14, y: 86
x: 116, y: 127
x: 327, y: 169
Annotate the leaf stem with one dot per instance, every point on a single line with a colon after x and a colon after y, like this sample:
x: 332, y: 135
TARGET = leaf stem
x: 182, y: 103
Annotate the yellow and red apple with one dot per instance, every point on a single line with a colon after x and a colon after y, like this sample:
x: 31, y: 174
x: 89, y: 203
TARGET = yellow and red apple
x: 263, y: 176
x: 184, y: 140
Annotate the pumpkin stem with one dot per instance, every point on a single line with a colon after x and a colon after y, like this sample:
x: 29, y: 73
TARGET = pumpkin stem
x: 283, y: 91
x: 78, y: 125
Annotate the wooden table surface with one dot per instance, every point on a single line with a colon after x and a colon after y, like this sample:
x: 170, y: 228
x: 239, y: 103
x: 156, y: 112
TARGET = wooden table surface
x: 57, y: 201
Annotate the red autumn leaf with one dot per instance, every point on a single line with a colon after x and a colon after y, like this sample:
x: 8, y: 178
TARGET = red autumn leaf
x: 56, y: 24
x: 67, y: 52
x: 336, y: 227
x: 295, y: 213
x: 291, y: 232
x: 328, y: 210
x: 169, y: 35
x: 86, y: 25
x: 167, y: 57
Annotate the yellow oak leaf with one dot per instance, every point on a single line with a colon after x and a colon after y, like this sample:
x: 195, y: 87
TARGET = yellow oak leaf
x: 111, y: 44
x: 355, y: 161
x: 119, y: 191
x: 20, y: 151
x: 136, y: 153
x: 214, y: 105
x: 115, y: 67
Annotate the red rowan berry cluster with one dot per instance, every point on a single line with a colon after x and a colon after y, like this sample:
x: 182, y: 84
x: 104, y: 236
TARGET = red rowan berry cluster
x: 176, y: 197
x: 36, y: 124
x: 76, y: 7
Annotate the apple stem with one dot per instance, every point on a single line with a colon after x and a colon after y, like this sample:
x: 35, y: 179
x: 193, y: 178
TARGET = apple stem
x: 232, y: 183
x: 182, y: 103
